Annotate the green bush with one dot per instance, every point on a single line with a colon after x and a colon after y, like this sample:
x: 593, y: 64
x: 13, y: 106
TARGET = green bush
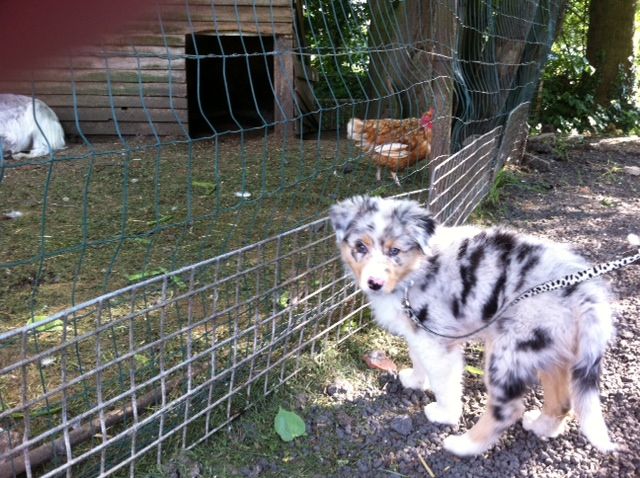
x: 566, y: 101
x: 336, y: 39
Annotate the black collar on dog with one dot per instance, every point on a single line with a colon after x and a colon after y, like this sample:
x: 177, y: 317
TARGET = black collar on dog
x: 566, y: 281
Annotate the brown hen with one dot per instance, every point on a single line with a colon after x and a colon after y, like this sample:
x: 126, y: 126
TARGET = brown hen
x: 394, y: 144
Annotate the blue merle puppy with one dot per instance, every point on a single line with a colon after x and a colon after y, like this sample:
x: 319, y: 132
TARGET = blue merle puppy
x: 456, y: 279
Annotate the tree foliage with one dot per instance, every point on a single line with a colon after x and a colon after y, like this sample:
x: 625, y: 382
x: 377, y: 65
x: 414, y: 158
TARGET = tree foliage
x: 567, y: 98
x: 336, y: 38
x: 345, y: 45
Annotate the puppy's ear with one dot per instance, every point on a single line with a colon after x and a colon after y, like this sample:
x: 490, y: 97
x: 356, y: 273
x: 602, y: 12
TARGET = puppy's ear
x: 343, y: 214
x: 423, y: 226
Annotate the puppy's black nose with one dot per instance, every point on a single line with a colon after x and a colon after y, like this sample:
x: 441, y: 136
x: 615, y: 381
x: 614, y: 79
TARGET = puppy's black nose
x: 375, y: 284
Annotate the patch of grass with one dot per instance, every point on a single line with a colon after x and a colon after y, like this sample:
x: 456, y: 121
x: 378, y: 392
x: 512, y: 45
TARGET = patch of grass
x: 94, y: 218
x: 611, y: 172
x: 561, y: 147
x: 609, y: 202
x: 253, y: 436
x: 495, y: 204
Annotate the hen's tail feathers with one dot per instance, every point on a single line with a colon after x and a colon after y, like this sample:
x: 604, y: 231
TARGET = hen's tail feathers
x: 354, y: 128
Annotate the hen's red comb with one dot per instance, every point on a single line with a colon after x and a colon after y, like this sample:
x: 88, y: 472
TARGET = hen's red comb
x: 427, y: 118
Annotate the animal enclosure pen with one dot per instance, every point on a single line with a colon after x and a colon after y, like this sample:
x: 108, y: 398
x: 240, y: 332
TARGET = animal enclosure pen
x: 175, y: 263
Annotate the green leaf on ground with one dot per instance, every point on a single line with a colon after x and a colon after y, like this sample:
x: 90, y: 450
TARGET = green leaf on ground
x: 207, y: 187
x: 474, y: 370
x: 53, y: 326
x: 161, y: 220
x: 146, y: 275
x: 142, y: 360
x: 142, y: 240
x: 284, y: 300
x: 288, y: 425
x: 178, y: 282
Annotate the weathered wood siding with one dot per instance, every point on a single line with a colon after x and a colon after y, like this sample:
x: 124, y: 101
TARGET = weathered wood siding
x: 134, y: 81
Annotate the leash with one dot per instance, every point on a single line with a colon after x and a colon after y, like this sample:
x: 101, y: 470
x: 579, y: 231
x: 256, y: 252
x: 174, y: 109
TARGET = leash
x: 548, y: 286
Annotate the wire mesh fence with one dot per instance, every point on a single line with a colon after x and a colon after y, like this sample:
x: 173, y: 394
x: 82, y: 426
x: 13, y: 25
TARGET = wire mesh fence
x: 174, y: 263
x: 174, y: 358
x: 461, y: 181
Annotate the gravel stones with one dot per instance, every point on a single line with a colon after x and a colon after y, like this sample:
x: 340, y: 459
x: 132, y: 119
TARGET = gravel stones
x: 402, y: 425
x: 340, y: 388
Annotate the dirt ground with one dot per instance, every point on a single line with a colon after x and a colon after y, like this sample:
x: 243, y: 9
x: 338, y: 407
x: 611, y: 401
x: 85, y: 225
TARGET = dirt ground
x: 584, y: 193
x: 590, y: 197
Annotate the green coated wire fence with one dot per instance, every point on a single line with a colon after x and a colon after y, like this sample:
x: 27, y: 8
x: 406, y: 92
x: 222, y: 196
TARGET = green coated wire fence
x: 182, y: 229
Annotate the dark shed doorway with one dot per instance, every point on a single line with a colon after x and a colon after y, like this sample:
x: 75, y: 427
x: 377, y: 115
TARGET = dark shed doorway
x: 231, y: 88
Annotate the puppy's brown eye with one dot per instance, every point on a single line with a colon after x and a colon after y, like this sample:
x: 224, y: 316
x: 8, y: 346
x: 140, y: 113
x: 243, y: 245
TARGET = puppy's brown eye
x: 361, y: 248
x: 394, y: 251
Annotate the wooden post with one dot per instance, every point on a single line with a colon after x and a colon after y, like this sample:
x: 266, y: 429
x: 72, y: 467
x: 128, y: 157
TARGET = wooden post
x: 284, y: 82
x: 444, y: 41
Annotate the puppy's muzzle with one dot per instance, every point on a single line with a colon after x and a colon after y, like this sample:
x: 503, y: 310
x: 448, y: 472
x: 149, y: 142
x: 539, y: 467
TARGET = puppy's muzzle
x: 375, y: 283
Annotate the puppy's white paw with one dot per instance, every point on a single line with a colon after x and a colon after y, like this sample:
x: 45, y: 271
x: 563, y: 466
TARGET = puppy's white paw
x: 446, y: 415
x: 529, y: 418
x: 542, y: 425
x: 595, y: 429
x: 462, y: 445
x: 410, y: 379
x: 603, y: 443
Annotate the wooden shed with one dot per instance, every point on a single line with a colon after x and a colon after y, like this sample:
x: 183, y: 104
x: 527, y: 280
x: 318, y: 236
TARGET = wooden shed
x: 193, y: 68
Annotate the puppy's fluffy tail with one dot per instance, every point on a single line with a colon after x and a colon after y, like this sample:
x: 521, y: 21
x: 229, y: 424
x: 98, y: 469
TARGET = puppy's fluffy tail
x: 594, y: 330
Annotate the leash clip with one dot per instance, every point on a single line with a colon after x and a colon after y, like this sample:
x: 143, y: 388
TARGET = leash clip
x: 406, y: 304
